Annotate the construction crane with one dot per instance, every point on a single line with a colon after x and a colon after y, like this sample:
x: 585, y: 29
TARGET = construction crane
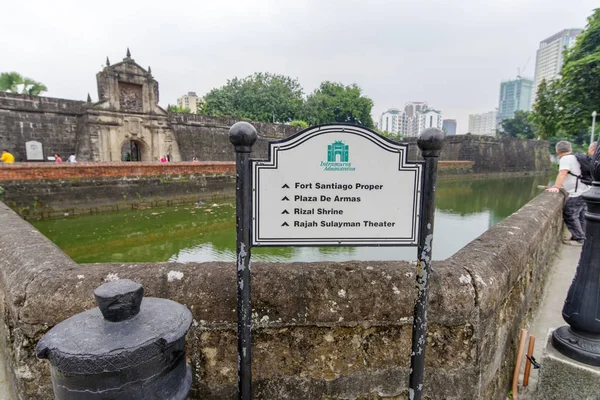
x: 519, y: 70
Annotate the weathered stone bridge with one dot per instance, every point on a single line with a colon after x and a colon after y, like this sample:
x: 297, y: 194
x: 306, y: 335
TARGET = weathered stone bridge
x: 323, y: 330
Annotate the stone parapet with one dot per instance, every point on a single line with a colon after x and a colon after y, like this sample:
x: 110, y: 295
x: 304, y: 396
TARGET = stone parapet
x: 322, y: 330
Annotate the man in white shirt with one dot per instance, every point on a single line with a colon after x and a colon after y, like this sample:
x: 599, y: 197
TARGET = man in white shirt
x: 575, y: 208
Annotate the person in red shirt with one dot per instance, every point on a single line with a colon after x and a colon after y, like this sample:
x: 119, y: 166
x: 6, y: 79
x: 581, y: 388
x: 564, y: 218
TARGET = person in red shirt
x: 57, y: 158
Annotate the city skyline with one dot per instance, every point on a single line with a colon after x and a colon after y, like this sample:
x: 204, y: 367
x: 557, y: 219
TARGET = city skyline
x: 201, y: 48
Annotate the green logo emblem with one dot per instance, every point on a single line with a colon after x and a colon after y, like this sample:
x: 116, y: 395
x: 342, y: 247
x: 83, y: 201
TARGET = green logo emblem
x: 337, y: 152
x: 337, y: 157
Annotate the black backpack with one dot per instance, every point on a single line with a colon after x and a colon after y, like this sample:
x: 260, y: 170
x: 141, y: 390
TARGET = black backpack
x: 585, y: 162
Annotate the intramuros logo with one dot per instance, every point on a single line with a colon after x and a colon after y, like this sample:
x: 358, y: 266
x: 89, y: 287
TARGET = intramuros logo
x: 338, y: 158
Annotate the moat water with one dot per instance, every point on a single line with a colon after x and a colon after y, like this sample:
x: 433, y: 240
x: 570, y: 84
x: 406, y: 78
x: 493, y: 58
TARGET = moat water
x: 464, y: 210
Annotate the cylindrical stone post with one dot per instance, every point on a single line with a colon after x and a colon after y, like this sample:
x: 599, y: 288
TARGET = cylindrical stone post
x: 129, y: 347
x: 243, y: 135
x: 581, y: 339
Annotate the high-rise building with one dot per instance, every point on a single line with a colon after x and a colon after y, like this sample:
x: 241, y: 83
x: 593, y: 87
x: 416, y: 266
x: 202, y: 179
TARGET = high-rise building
x: 449, y: 126
x: 483, y: 124
x: 549, y: 59
x: 429, y: 119
x: 514, y: 95
x: 190, y: 101
x: 393, y: 121
x: 413, y: 110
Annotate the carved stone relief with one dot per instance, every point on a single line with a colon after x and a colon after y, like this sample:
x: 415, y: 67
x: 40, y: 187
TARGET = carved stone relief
x: 130, y: 97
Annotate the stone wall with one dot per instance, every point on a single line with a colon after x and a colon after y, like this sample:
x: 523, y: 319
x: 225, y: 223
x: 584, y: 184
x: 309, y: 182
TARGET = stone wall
x: 53, y: 122
x: 322, y: 330
x: 494, y: 155
x: 66, y: 126
x: 49, y: 190
x: 208, y: 137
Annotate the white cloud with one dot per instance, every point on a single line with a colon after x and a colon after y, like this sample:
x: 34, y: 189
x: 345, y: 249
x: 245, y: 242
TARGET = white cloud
x: 452, y: 54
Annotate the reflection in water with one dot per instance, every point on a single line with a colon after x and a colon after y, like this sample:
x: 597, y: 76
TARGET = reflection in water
x: 465, y: 209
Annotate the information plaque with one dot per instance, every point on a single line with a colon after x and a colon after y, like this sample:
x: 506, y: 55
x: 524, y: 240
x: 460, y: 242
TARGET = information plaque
x: 336, y: 185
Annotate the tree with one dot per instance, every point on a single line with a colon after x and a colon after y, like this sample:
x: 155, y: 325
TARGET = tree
x: 519, y: 126
x: 546, y: 112
x: 180, y: 109
x: 299, y: 123
x: 260, y: 97
x: 579, y: 93
x: 334, y: 102
x: 13, y: 81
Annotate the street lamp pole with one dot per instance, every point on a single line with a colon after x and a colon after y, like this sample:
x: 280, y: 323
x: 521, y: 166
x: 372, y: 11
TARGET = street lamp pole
x: 593, y: 126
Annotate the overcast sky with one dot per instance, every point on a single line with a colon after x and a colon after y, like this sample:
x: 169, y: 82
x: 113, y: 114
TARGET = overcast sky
x: 452, y: 54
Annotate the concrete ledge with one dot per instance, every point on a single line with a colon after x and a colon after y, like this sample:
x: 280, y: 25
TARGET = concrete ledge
x: 562, y: 378
x: 322, y: 330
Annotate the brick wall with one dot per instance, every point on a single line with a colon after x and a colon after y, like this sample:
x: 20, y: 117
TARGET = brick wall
x: 49, y: 171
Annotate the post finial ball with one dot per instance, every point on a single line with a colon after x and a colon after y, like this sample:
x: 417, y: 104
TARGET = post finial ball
x: 242, y: 135
x: 431, y: 141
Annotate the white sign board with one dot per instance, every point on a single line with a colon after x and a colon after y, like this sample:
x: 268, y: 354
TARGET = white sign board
x: 336, y: 185
x: 34, y: 151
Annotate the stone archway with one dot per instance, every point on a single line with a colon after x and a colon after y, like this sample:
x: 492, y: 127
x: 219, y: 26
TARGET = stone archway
x: 133, y: 150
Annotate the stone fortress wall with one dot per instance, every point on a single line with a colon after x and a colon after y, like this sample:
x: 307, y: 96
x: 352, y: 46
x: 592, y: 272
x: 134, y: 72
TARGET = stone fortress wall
x: 323, y: 330
x: 63, y: 126
x: 52, y: 122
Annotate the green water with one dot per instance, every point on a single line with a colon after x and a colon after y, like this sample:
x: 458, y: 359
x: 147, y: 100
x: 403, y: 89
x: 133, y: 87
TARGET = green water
x: 465, y: 209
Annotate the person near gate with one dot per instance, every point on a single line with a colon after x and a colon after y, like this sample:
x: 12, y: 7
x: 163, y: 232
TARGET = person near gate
x: 568, y: 178
x: 7, y: 158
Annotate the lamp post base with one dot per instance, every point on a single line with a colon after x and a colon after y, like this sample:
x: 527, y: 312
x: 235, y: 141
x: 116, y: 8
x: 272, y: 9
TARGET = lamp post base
x: 579, y: 346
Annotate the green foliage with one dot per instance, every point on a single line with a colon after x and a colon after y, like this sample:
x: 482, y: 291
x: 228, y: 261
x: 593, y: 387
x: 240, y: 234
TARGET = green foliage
x: 563, y: 108
x: 180, y: 109
x: 299, y: 123
x: 334, y: 102
x: 260, y: 97
x: 388, y: 135
x: 200, y: 105
x: 269, y: 97
x: 546, y: 111
x: 15, y: 83
x: 519, y: 126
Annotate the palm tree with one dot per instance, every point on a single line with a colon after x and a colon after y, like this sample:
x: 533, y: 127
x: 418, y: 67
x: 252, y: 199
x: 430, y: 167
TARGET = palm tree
x: 179, y: 109
x: 11, y: 81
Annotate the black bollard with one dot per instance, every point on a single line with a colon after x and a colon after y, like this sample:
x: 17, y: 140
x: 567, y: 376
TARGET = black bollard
x: 129, y: 347
x: 581, y: 339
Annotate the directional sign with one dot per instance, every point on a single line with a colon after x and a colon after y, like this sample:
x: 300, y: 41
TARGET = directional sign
x: 336, y: 185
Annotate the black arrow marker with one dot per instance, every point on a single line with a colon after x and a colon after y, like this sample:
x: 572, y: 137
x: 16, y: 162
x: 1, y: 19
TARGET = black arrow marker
x: 285, y: 212
x: 285, y: 186
x: 285, y: 199
x: 285, y: 224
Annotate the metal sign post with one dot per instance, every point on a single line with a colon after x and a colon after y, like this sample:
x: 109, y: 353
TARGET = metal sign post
x: 334, y: 185
x: 430, y: 142
x: 243, y: 135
